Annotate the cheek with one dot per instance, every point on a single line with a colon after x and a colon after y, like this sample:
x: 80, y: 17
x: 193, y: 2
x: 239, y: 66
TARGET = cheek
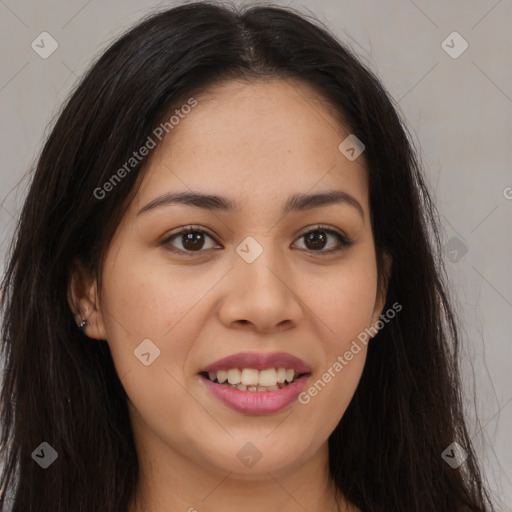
x: 344, y: 307
x: 344, y: 302
x: 149, y: 299
x: 142, y: 302
x: 144, y: 299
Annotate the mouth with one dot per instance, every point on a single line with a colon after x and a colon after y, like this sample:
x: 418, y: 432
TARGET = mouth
x: 253, y: 380
x: 256, y: 382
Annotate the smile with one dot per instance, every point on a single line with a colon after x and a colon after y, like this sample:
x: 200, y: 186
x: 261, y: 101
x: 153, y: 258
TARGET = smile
x: 256, y: 383
x: 250, y: 379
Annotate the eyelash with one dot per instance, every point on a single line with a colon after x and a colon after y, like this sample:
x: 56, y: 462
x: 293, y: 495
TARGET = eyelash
x: 342, y: 239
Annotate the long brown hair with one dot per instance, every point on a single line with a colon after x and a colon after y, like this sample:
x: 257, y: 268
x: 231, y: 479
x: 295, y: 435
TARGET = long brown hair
x: 62, y: 389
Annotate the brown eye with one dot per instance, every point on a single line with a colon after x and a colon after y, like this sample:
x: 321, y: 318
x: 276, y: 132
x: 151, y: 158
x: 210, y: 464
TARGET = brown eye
x: 193, y: 240
x: 317, y: 239
x: 190, y: 239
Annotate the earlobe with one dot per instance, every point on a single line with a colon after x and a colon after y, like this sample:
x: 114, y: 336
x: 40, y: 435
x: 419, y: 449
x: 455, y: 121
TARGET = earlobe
x: 83, y: 301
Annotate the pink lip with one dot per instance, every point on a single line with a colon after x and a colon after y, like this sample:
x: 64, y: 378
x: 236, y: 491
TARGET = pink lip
x: 256, y: 402
x: 259, y: 361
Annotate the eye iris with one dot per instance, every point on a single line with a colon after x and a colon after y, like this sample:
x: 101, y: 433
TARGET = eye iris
x: 193, y: 240
x: 317, y: 238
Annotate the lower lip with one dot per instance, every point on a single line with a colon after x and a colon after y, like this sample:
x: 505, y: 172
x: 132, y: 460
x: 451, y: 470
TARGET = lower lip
x: 256, y: 402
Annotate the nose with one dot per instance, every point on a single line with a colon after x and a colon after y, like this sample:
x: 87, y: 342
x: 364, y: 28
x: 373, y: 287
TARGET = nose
x: 262, y: 296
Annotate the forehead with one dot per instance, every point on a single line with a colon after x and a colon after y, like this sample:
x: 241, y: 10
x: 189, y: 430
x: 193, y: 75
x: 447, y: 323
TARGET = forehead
x: 256, y: 142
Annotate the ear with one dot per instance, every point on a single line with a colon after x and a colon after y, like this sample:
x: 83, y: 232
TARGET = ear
x: 382, y: 288
x: 84, y: 301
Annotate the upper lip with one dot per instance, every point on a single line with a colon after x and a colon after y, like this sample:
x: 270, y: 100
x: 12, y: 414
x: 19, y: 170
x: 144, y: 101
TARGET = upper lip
x: 259, y: 361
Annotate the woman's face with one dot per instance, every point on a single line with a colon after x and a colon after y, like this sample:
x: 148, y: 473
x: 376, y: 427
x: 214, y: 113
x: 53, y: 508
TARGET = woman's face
x: 261, y: 279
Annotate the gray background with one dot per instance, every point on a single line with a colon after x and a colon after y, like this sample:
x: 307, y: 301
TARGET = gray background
x: 459, y: 111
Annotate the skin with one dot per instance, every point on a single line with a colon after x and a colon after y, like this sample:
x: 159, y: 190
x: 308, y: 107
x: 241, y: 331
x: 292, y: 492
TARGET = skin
x: 257, y: 143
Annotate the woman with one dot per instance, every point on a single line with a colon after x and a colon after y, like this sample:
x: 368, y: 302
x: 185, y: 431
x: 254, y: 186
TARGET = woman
x: 226, y: 290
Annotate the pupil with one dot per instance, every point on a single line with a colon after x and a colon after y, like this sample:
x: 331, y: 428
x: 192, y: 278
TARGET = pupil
x: 317, y: 238
x: 190, y: 243
x: 195, y: 240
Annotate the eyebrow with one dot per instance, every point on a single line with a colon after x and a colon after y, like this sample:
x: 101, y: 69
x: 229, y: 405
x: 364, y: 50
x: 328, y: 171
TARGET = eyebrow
x: 296, y: 202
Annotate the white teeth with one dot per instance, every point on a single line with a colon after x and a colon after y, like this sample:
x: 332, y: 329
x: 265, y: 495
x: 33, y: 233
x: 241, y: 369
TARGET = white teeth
x: 241, y: 387
x: 281, y: 375
x: 234, y: 376
x: 249, y: 377
x: 290, y: 374
x: 268, y: 377
x: 222, y: 376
